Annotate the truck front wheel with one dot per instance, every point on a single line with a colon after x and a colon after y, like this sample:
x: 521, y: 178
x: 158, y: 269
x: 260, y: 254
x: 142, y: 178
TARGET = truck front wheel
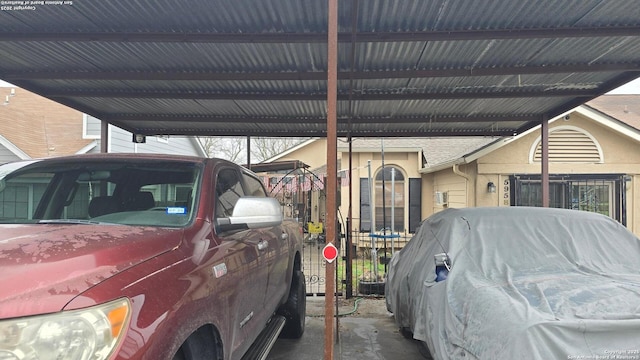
x: 202, y: 344
x: 294, y: 310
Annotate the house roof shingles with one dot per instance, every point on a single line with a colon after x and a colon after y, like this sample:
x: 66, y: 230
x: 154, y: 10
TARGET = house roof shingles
x: 40, y: 127
x: 436, y: 150
x: 625, y: 108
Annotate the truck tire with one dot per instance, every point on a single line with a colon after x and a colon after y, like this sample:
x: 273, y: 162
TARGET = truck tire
x: 200, y: 345
x: 294, y: 310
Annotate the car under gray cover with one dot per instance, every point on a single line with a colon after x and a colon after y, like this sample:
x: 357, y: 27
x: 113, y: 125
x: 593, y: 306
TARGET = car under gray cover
x: 526, y: 283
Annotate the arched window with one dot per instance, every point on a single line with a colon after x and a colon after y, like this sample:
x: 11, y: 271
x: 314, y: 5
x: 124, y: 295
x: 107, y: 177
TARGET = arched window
x: 393, y: 181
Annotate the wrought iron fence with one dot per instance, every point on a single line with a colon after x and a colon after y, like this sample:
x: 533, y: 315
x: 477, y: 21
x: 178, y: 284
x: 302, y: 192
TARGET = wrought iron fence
x: 369, y: 263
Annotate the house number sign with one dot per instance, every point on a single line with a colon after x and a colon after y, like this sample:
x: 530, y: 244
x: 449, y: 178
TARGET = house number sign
x: 506, y: 193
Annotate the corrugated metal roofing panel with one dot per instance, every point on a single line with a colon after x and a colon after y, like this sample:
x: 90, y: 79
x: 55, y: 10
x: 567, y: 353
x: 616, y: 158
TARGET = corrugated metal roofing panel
x: 65, y: 56
x: 445, y: 15
x: 429, y: 67
x: 172, y: 16
x: 311, y: 16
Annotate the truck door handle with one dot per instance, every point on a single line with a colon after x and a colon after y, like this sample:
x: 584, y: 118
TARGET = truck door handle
x: 263, y: 245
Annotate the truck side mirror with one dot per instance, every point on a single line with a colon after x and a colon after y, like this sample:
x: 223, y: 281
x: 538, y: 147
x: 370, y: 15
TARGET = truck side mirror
x: 252, y: 213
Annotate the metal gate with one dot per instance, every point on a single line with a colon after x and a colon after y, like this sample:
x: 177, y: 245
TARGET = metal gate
x: 314, y: 265
x: 299, y: 191
x: 364, y: 275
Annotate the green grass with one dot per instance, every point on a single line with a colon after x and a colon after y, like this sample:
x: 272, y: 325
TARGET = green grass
x: 360, y: 267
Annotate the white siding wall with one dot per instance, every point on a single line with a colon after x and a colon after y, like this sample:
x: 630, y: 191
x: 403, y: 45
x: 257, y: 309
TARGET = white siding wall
x: 121, y: 142
x: 454, y: 186
x: 91, y: 128
x: 6, y: 155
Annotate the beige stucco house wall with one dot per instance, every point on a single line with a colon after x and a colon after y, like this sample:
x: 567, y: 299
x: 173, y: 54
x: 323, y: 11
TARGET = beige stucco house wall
x: 406, y: 155
x: 618, y: 153
x: 405, y: 161
x: 313, y: 153
x: 584, y: 142
x: 455, y: 172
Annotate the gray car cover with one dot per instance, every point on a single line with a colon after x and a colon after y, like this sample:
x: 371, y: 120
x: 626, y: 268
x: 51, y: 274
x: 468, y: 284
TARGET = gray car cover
x: 525, y: 283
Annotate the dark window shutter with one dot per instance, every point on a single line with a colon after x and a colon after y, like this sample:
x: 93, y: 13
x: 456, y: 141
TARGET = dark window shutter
x: 365, y: 206
x: 415, y: 204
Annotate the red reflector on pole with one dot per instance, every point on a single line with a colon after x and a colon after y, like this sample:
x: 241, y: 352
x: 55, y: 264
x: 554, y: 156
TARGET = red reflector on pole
x: 330, y: 252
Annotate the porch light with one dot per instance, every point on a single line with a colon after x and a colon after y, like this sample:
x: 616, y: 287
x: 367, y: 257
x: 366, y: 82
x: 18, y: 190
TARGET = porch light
x: 139, y: 139
x: 491, y: 187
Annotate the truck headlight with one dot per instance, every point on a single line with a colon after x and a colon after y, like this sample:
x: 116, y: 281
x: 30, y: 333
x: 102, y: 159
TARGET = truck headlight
x: 86, y: 334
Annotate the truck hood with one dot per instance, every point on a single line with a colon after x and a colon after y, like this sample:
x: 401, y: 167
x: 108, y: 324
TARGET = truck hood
x: 44, y: 266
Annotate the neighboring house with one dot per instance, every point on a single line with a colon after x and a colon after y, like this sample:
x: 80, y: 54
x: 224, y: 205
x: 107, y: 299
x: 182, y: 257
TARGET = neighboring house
x: 32, y: 126
x: 121, y: 141
x: 594, y: 165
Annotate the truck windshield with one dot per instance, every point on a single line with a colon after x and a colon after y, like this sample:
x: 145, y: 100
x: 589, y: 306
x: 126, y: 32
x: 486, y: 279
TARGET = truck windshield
x: 148, y: 193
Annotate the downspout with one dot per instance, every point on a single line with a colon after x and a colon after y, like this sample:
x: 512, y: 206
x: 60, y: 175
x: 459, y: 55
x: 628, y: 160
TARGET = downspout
x: 456, y: 170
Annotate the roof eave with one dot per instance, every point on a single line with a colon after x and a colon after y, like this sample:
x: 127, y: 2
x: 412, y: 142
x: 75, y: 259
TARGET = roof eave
x: 609, y: 121
x: 85, y: 149
x: 14, y: 149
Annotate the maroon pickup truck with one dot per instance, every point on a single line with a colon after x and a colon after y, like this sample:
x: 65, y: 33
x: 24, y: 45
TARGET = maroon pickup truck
x: 144, y: 257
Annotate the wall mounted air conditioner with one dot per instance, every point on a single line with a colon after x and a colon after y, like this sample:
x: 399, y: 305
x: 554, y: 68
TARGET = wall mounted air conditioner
x: 441, y: 198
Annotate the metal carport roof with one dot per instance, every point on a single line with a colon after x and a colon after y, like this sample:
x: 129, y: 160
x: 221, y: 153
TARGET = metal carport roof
x: 262, y: 67
x: 259, y: 67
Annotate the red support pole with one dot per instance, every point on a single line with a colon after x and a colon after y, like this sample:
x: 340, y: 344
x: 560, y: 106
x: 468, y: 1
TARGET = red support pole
x: 332, y: 173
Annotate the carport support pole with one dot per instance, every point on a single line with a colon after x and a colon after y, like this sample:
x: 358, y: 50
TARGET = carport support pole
x: 349, y: 240
x: 249, y: 152
x: 544, y: 178
x: 104, y: 136
x: 332, y: 173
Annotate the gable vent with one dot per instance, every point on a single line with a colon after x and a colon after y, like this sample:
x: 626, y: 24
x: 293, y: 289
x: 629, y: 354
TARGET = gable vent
x: 568, y: 145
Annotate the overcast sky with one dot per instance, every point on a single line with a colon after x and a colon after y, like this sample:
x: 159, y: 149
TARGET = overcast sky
x: 630, y: 88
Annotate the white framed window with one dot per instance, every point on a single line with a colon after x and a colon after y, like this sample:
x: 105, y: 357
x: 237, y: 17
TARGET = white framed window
x: 389, y: 204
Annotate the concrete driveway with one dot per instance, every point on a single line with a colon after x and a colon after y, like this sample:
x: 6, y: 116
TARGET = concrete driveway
x: 367, y: 332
